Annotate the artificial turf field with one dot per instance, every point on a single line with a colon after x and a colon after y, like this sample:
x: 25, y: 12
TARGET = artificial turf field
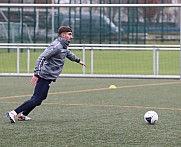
x: 82, y: 112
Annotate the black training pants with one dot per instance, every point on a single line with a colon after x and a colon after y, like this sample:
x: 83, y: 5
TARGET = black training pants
x: 40, y: 94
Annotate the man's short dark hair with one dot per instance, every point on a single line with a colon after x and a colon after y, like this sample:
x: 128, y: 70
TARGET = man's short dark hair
x: 63, y: 29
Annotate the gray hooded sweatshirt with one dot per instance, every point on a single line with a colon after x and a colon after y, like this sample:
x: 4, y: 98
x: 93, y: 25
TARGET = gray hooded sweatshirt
x: 50, y: 63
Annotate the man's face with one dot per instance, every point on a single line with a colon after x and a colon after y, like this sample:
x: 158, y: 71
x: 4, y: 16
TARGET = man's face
x: 67, y: 36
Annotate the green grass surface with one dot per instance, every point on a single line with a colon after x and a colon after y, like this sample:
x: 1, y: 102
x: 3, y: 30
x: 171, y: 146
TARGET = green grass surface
x: 86, y: 113
x: 105, y: 62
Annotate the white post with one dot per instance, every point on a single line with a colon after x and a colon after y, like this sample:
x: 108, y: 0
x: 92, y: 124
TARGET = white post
x: 180, y: 42
x: 155, y: 61
x: 83, y: 58
x: 92, y: 60
x: 18, y: 59
x: 28, y: 60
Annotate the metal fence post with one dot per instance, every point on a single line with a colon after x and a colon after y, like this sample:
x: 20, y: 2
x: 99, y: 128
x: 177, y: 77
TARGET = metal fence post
x: 83, y: 58
x: 92, y: 60
x: 28, y: 60
x: 180, y: 42
x: 18, y: 59
x: 155, y: 61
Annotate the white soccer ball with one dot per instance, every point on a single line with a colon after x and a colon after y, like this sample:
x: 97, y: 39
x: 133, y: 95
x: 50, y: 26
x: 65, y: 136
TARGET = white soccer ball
x: 151, y: 117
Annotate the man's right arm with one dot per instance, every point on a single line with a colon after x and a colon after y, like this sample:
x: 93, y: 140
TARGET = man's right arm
x: 34, y: 79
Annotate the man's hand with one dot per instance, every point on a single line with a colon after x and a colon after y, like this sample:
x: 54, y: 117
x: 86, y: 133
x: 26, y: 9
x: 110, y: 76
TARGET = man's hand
x: 34, y: 79
x: 82, y: 63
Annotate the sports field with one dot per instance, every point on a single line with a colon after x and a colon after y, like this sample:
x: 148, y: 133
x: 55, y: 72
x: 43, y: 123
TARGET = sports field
x: 105, y: 62
x: 87, y: 113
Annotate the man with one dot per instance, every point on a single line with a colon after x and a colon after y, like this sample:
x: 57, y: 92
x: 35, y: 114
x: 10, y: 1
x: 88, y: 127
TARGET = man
x: 48, y: 67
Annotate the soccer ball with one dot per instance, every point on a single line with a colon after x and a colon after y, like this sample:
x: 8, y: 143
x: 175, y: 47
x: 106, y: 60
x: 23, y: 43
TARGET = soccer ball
x: 151, y: 117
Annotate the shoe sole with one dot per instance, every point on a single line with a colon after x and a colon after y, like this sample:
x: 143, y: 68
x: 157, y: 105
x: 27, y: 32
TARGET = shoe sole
x: 11, y: 120
x: 23, y: 120
x: 20, y: 119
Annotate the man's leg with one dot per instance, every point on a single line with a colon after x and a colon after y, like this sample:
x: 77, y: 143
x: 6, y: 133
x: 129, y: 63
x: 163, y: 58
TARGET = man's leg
x: 40, y: 94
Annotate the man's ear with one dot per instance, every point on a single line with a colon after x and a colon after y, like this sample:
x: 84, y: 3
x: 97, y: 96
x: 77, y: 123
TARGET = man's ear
x: 62, y: 35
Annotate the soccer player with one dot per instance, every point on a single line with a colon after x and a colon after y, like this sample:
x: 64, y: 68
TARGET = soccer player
x: 48, y: 67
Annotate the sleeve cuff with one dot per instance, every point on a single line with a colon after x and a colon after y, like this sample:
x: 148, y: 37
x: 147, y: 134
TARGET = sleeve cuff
x: 78, y: 60
x: 36, y: 75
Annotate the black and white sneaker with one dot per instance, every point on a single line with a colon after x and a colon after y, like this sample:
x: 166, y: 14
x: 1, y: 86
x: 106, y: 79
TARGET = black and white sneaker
x: 12, y: 116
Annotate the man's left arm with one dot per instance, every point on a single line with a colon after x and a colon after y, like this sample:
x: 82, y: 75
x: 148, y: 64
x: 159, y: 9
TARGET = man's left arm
x: 74, y: 58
